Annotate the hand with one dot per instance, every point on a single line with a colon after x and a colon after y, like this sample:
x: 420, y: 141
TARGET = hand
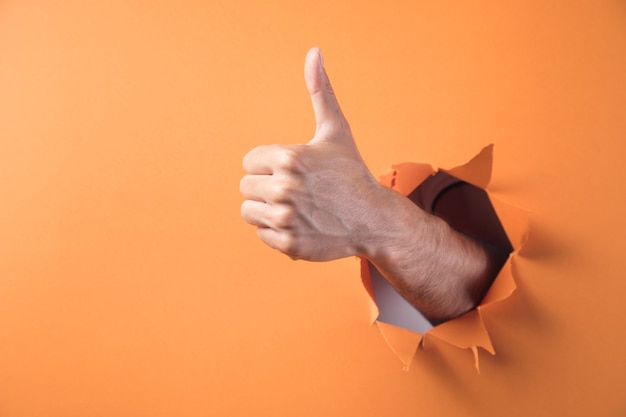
x: 311, y: 201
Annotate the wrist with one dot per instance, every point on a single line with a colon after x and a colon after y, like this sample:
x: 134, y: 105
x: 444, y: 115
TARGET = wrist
x: 393, y: 226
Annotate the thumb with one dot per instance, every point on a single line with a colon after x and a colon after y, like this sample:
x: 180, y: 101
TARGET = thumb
x: 328, y: 116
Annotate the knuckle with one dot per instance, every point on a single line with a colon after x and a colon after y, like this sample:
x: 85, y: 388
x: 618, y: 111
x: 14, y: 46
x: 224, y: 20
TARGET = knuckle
x: 251, y: 159
x: 289, y: 158
x: 285, y: 217
x: 282, y: 190
x: 285, y: 242
x: 289, y: 245
x: 248, y: 159
x: 244, y: 211
x: 243, y: 185
x: 275, y: 192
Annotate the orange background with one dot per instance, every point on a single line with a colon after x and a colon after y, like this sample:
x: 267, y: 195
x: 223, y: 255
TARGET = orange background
x: 129, y: 285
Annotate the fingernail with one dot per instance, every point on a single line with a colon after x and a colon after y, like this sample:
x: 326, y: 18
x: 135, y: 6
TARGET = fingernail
x: 319, y: 52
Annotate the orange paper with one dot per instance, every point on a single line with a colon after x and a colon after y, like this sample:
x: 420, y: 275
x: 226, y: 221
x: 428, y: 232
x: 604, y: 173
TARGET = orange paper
x: 130, y: 285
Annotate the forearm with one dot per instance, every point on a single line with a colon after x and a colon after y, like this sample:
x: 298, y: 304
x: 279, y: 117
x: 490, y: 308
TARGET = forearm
x: 440, y: 271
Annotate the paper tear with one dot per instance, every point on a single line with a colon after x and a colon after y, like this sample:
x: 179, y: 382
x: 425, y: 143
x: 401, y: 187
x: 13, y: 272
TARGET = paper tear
x: 478, y: 170
x: 476, y: 362
x: 469, y: 330
x: 403, y: 342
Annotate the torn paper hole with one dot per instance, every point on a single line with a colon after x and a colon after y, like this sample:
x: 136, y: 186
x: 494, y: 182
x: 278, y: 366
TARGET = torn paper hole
x: 402, y: 326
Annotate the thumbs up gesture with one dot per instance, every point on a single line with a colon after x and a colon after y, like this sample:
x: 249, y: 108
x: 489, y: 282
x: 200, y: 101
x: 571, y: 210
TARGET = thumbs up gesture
x: 312, y: 201
x: 318, y: 202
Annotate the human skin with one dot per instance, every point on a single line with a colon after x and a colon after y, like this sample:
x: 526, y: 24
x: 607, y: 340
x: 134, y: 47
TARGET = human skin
x: 319, y: 202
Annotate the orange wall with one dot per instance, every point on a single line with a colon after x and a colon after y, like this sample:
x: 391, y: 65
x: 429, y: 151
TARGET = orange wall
x: 129, y: 285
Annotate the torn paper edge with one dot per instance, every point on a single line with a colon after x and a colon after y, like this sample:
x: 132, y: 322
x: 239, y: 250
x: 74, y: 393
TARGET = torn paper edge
x: 467, y: 331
